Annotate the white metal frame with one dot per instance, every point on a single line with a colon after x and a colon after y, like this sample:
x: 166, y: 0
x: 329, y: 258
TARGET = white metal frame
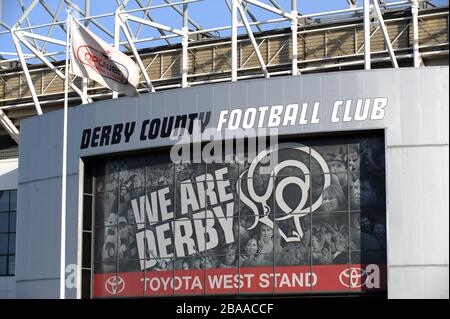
x: 27, y: 36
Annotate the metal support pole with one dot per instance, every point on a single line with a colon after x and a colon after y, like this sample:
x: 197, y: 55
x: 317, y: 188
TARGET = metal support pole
x: 352, y: 3
x: 252, y: 39
x: 42, y: 38
x: 147, y: 14
x: 234, y: 23
x: 133, y: 48
x: 26, y: 13
x: 262, y: 5
x: 54, y: 15
x: 276, y: 5
x: 100, y: 26
x: 185, y: 15
x: 185, y: 42
x: 26, y: 72
x: 385, y: 34
x: 294, y: 28
x: 116, y: 43
x: 138, y: 31
x: 192, y: 22
x: 415, y: 25
x: 252, y: 16
x: 87, y: 10
x: 55, y: 19
x: 125, y: 22
x: 151, y: 23
x: 367, y: 64
x: 27, y: 21
x: 62, y: 284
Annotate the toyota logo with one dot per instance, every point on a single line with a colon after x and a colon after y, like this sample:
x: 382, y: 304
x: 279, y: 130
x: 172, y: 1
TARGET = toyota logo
x: 352, y: 277
x: 114, y: 285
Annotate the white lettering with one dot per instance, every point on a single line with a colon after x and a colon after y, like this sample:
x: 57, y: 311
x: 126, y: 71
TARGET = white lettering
x: 262, y: 115
x: 348, y: 105
x: 334, y: 118
x: 378, y: 109
x: 249, y: 118
x: 183, y: 237
x: 303, y: 119
x: 290, y: 114
x: 188, y: 198
x: 222, y: 120
x: 235, y: 119
x: 362, y: 116
x: 275, y: 116
x: 164, y: 204
x: 163, y: 241
x: 315, y: 119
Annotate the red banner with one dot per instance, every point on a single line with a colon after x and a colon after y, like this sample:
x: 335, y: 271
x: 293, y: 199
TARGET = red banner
x: 292, y: 279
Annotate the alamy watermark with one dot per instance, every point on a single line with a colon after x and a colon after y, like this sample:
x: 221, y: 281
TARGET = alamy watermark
x: 225, y: 147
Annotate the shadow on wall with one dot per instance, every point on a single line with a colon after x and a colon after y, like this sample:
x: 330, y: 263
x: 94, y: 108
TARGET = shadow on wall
x: 8, y: 176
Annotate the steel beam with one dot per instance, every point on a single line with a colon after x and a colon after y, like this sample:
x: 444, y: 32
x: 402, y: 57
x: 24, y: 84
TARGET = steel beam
x: 26, y: 72
x: 38, y: 54
x: 152, y: 24
x: 100, y: 26
x: 26, y: 13
x: 138, y: 31
x: 9, y: 126
x: 192, y: 22
x: 275, y: 4
x: 252, y: 16
x: 385, y: 34
x: 55, y: 19
x: 185, y: 43
x: 53, y: 15
x: 127, y: 34
x: 352, y: 3
x: 228, y: 6
x: 116, y: 43
x: 87, y: 10
x: 84, y: 81
x: 367, y: 64
x: 234, y: 26
x: 415, y: 25
x: 262, y: 5
x: 27, y: 20
x: 123, y: 5
x: 42, y: 38
x: 294, y: 28
x: 252, y: 39
x: 7, y: 27
x: 147, y: 14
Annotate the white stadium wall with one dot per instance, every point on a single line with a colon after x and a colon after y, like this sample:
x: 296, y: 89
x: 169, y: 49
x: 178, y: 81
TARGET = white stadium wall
x: 410, y: 107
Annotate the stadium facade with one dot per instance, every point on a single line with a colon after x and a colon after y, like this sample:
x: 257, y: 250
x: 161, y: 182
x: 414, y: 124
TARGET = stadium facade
x: 329, y: 183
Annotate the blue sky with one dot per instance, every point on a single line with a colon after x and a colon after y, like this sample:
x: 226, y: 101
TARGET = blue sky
x: 207, y: 13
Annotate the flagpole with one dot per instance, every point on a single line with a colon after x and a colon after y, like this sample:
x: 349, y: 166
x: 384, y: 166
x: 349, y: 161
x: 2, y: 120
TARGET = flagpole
x: 62, y: 287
